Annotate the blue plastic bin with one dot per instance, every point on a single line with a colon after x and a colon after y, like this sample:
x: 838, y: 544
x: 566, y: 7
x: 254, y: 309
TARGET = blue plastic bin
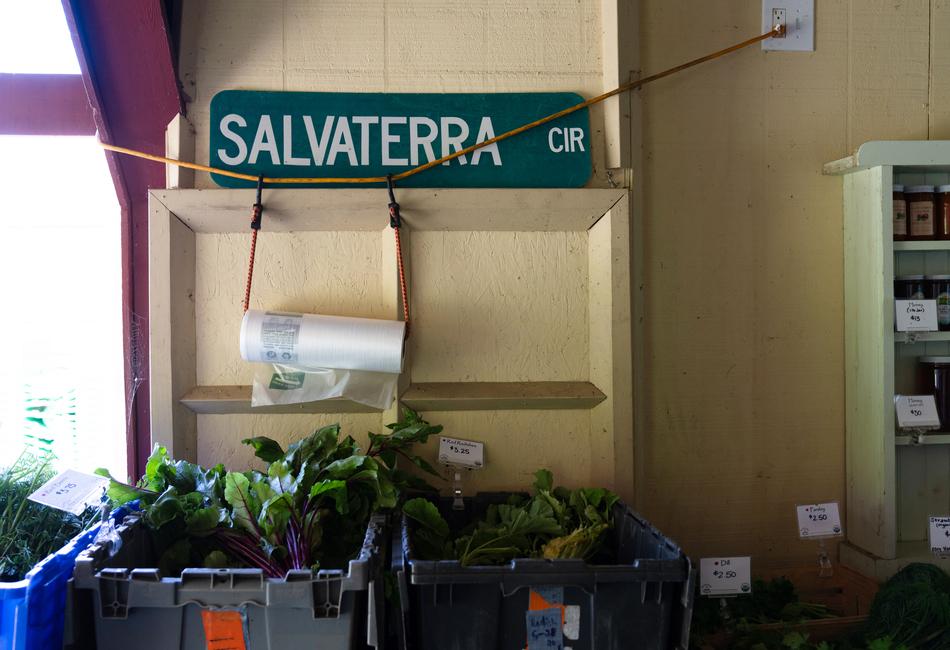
x: 32, y: 610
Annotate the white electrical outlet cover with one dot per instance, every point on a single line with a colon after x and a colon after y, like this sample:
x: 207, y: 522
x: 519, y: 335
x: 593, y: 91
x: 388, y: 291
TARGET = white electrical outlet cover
x: 799, y: 21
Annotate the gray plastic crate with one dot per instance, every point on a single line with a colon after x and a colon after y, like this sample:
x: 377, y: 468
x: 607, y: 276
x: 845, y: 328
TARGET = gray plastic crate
x: 139, y: 608
x: 642, y: 602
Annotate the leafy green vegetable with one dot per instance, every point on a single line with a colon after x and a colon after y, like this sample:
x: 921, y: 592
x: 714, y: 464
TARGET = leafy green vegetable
x: 913, y: 608
x: 554, y: 523
x: 308, y: 509
x: 264, y: 448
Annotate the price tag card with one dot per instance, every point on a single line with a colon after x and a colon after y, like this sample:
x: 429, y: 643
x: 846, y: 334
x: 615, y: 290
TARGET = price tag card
x: 224, y: 629
x: 71, y: 491
x: 464, y: 453
x: 915, y: 315
x: 819, y: 520
x: 725, y: 576
x: 940, y: 536
x: 916, y: 412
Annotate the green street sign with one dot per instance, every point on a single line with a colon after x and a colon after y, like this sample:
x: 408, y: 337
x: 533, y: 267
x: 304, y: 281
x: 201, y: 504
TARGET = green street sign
x: 346, y: 135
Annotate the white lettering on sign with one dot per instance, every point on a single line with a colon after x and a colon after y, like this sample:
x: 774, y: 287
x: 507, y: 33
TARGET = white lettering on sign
x: 464, y: 453
x: 335, y: 142
x: 289, y: 158
x: 486, y: 132
x: 342, y: 143
x: 318, y: 146
x: 725, y: 576
x: 452, y: 143
x: 915, y: 315
x: 264, y: 141
x: 389, y: 139
x: 916, y: 412
x: 940, y: 536
x: 226, y: 131
x: 416, y: 139
x: 819, y: 520
x: 71, y: 491
x: 566, y: 139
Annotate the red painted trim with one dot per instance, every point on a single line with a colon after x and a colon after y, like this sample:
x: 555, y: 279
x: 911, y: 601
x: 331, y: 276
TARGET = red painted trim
x: 44, y: 104
x: 127, y: 66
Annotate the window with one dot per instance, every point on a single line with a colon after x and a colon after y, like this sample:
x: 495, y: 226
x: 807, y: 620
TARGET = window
x: 61, y: 366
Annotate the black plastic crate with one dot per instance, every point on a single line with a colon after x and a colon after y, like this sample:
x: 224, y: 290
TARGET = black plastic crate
x: 127, y: 607
x: 644, y: 601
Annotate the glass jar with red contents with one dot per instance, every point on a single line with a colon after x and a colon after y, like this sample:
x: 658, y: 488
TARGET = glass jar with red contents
x: 900, y: 214
x: 942, y: 212
x: 920, y: 211
x: 935, y: 380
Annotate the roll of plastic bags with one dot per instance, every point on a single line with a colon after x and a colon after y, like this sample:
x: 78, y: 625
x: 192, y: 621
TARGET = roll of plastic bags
x: 323, y: 342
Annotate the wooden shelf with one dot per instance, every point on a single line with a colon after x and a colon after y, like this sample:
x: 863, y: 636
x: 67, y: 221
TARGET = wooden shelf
x: 909, y: 155
x: 926, y: 439
x: 905, y: 246
x: 883, y: 568
x: 222, y: 400
x: 490, y: 396
x: 920, y: 337
x: 442, y: 396
x: 301, y: 210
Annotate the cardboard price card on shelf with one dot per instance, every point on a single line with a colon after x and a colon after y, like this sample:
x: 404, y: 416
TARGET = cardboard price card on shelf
x: 819, y: 520
x: 725, y: 576
x: 464, y: 453
x: 71, y: 491
x: 940, y: 536
x: 915, y: 315
x: 916, y: 412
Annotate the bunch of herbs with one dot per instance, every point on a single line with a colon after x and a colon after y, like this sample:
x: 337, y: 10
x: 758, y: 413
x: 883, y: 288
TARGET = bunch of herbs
x: 30, y: 531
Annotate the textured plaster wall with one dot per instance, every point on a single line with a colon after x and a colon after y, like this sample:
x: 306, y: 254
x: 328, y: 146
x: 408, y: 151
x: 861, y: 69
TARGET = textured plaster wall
x: 743, y: 317
x: 742, y: 234
x: 389, y: 46
x: 487, y: 306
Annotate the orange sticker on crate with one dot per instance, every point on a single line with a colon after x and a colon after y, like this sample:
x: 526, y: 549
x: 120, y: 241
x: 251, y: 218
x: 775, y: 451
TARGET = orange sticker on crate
x: 224, y: 630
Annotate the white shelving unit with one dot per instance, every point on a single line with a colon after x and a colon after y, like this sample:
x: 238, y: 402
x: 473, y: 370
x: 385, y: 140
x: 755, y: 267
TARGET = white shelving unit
x: 895, y: 482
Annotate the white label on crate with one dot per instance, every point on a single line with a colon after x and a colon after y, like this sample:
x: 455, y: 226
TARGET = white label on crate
x: 464, y: 453
x: 915, y: 315
x: 917, y: 412
x: 819, y: 520
x: 940, y: 536
x: 71, y: 491
x: 725, y: 576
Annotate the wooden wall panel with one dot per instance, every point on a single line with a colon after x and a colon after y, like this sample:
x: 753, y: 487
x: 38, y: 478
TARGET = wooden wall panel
x: 517, y: 300
x: 219, y: 439
x: 743, y: 249
x: 889, y: 71
x: 336, y: 273
x: 392, y: 46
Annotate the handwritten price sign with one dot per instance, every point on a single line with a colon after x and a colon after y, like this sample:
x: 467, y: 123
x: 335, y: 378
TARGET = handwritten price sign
x: 463, y: 453
x: 725, y: 576
x: 915, y: 315
x: 940, y: 536
x: 819, y: 520
x: 916, y: 412
x: 71, y: 491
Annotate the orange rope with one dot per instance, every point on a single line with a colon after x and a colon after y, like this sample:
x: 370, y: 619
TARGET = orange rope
x: 402, y: 281
x: 775, y: 31
x: 250, y: 264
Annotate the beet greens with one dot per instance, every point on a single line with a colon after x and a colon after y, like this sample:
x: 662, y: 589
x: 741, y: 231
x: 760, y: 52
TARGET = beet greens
x: 308, y: 510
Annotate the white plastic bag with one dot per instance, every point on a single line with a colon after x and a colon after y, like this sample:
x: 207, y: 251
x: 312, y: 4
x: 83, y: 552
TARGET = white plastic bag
x: 280, y: 384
